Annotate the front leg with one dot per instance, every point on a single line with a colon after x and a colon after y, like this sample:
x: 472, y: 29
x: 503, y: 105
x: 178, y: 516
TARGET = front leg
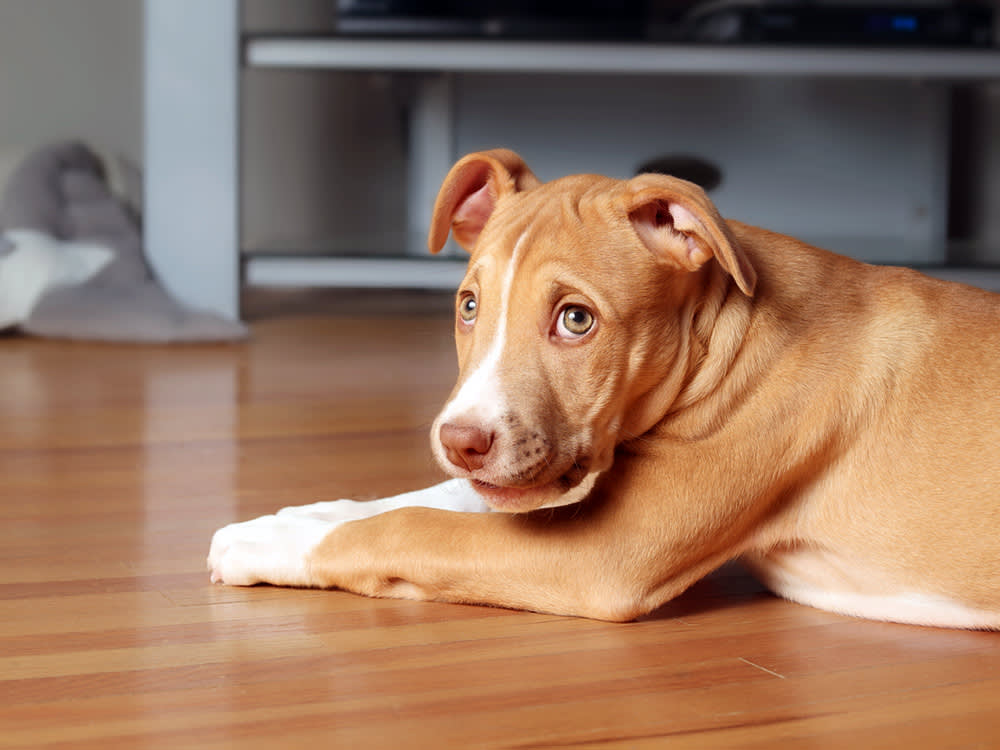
x: 277, y: 548
x: 618, y: 554
x: 575, y: 561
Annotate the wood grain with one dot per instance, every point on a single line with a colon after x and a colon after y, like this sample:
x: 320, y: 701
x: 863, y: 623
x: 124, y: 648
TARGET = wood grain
x: 118, y: 462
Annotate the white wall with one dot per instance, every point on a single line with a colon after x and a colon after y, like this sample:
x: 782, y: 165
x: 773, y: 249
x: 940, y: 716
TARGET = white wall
x: 71, y: 69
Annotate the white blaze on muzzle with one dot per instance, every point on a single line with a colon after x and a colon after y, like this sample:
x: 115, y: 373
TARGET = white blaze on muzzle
x: 482, y: 399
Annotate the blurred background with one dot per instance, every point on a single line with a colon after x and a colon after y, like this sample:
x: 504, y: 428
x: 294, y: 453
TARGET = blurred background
x: 886, y: 167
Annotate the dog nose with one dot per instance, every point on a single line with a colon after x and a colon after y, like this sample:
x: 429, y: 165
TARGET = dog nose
x: 466, y: 446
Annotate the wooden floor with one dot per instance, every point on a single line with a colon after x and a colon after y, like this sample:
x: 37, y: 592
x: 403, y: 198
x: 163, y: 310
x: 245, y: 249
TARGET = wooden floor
x: 118, y: 462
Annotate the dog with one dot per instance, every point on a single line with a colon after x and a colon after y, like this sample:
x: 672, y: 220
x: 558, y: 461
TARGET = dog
x: 648, y: 391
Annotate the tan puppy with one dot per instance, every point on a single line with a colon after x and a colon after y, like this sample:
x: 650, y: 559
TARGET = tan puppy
x: 649, y: 391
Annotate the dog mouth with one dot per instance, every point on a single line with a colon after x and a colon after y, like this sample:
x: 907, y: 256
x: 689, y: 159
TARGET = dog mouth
x: 521, y: 497
x: 504, y: 498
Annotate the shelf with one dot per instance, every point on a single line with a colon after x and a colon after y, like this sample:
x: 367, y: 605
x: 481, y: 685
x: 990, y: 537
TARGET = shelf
x: 509, y: 56
x: 360, y: 272
x: 365, y: 266
x: 445, y: 274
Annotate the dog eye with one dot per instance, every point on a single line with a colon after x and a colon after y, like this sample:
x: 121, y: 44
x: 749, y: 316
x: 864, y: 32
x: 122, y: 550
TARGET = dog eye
x: 467, y: 307
x: 574, y: 321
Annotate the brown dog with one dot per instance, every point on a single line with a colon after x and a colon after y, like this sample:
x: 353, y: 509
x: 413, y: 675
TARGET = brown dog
x: 648, y: 391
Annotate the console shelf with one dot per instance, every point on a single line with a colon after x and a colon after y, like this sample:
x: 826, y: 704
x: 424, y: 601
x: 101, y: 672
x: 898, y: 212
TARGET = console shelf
x: 442, y: 56
x: 445, y: 274
x: 359, y: 271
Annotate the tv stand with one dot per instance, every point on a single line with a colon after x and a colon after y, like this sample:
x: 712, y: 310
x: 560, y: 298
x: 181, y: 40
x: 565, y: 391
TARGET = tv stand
x: 194, y: 53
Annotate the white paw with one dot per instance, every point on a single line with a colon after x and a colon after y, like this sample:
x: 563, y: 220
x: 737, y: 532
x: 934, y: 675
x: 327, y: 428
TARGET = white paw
x: 269, y: 549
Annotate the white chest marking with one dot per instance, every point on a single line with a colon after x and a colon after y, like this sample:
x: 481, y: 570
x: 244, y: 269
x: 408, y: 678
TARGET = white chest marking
x: 828, y: 581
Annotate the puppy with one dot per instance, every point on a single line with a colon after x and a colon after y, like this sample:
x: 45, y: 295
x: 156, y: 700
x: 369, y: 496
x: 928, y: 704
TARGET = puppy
x: 647, y: 391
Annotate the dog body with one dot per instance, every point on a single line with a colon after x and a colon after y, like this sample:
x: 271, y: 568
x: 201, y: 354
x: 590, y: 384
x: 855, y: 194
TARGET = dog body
x: 647, y: 391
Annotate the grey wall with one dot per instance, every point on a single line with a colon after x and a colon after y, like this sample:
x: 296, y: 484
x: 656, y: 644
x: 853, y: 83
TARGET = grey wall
x: 71, y: 68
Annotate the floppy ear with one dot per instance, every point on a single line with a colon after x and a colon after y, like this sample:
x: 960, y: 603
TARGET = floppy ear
x: 675, y: 219
x: 470, y: 193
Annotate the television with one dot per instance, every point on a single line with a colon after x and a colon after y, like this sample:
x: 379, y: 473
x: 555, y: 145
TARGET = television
x: 871, y: 23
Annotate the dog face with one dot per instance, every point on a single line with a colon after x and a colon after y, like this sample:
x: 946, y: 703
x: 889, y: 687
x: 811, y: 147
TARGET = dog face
x: 568, y: 323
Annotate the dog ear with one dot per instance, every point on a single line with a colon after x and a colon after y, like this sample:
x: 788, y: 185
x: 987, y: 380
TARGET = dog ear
x: 470, y: 193
x: 675, y: 218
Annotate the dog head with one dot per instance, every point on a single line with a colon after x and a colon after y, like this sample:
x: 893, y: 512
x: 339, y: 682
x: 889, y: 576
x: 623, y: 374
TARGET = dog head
x: 570, y: 321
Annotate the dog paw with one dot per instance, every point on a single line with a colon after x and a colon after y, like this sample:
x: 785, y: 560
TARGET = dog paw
x: 270, y: 549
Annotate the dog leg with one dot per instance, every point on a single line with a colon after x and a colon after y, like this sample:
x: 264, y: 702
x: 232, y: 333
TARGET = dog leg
x: 623, y: 551
x: 552, y: 561
x: 565, y: 561
x: 607, y: 559
x: 274, y: 548
x: 540, y: 562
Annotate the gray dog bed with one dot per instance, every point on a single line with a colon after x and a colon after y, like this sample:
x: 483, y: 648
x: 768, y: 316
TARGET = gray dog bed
x: 72, y: 263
